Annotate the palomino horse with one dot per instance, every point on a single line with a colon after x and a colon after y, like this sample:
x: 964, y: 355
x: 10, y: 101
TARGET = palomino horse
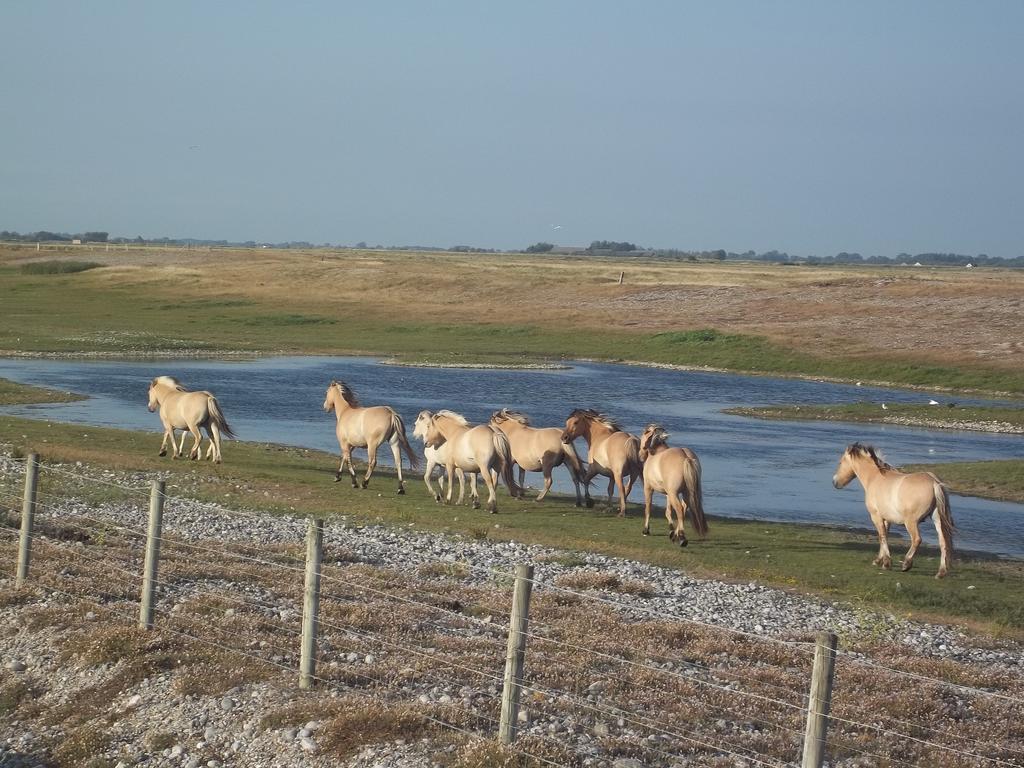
x: 187, y: 411
x: 612, y: 452
x: 481, y: 449
x: 438, y: 457
x: 895, y: 497
x: 538, y: 449
x: 359, y: 427
x: 676, y: 473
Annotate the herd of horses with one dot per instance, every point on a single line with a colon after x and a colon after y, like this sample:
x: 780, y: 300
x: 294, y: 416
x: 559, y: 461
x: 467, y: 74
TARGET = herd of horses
x: 492, y: 451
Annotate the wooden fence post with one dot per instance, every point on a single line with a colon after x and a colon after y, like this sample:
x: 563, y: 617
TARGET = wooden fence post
x: 311, y: 602
x: 820, y: 700
x: 28, y: 515
x: 149, y: 570
x: 516, y: 654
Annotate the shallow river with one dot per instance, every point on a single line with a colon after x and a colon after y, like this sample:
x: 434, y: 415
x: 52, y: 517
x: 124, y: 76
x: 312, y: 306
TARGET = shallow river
x: 752, y: 468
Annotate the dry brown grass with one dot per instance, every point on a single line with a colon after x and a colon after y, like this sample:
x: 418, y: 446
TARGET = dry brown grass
x: 924, y: 314
x: 685, y: 681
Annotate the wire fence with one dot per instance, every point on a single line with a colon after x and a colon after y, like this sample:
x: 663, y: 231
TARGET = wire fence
x: 596, y: 683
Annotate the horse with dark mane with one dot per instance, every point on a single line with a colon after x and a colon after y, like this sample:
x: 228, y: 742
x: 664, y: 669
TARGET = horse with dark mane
x: 612, y: 452
x: 892, y: 496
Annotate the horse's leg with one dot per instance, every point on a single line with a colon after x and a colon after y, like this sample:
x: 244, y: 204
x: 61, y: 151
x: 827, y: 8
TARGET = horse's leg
x: 546, y: 466
x: 427, y: 476
x: 617, y: 479
x: 648, y: 498
x: 492, y: 493
x: 915, y: 541
x: 371, y: 461
x: 462, y: 484
x: 398, y: 463
x: 214, y: 443
x: 680, y: 508
x: 168, y: 432
x: 587, y: 479
x: 882, y: 527
x: 450, y: 469
x: 346, y: 455
x: 629, y: 487
x: 611, y: 488
x: 474, y: 494
x: 181, y: 448
x: 943, y: 548
x: 522, y: 477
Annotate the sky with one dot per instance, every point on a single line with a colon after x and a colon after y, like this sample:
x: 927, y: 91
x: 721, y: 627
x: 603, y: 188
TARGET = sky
x: 806, y: 127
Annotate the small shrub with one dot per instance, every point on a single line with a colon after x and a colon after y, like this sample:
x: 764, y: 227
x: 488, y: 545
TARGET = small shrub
x: 488, y: 754
x: 82, y: 746
x: 12, y: 694
x: 158, y: 742
x: 457, y: 571
x: 363, y: 722
x: 58, y: 267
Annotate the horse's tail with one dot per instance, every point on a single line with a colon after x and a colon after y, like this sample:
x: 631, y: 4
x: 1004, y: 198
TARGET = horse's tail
x: 217, y: 416
x: 503, y: 449
x: 944, y: 513
x: 691, y: 476
x: 634, y: 464
x: 398, y: 428
x: 573, y: 460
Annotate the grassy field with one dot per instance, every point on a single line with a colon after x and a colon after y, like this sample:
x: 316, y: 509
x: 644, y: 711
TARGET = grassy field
x: 831, y: 563
x: 13, y: 393
x: 884, y: 324
x: 990, y: 479
x: 991, y: 419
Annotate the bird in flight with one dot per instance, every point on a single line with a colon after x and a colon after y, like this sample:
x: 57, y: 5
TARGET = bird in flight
x: 556, y: 226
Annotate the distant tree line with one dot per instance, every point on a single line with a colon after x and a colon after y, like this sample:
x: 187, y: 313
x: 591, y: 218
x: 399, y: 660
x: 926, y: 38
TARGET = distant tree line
x: 53, y: 237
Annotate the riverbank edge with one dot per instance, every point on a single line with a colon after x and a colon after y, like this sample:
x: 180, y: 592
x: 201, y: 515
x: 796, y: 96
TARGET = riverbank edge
x: 540, y: 363
x: 817, y: 413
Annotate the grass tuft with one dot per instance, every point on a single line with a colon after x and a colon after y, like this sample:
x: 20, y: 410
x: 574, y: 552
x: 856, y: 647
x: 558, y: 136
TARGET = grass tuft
x: 57, y: 267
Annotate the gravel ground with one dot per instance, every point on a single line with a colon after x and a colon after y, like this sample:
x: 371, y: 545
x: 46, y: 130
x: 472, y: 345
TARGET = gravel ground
x: 225, y: 729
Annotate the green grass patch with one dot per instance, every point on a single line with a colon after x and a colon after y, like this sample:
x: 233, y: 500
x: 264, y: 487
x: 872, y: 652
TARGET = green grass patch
x: 57, y: 267
x: 1002, y: 479
x: 948, y: 416
x: 835, y: 564
x: 289, y: 319
x: 13, y: 393
x: 42, y: 314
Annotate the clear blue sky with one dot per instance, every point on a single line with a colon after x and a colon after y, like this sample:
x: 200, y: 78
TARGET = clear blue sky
x: 810, y: 127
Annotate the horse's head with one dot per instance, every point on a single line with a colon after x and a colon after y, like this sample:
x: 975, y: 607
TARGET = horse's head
x: 846, y: 470
x: 433, y: 436
x: 857, y: 454
x: 654, y: 435
x: 422, y: 423
x: 329, y: 397
x: 153, y: 402
x: 575, y: 426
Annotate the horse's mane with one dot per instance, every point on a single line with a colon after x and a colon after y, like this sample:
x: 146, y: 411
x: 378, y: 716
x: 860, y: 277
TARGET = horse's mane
x: 660, y: 436
x: 592, y: 415
x: 506, y: 415
x: 458, y: 418
x: 347, y: 393
x: 860, y: 449
x: 167, y: 381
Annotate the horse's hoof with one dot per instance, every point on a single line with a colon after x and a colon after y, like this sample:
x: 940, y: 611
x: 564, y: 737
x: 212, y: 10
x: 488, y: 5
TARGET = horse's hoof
x: 621, y: 514
x: 647, y: 531
x: 401, y: 491
x: 683, y: 543
x: 437, y: 498
x: 906, y: 566
x: 366, y: 484
x: 940, y: 574
x: 590, y: 503
x: 476, y: 505
x: 162, y: 453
